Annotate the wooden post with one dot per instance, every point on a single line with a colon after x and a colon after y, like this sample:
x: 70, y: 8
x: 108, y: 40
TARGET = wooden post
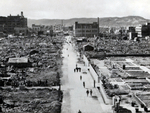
x: 94, y: 83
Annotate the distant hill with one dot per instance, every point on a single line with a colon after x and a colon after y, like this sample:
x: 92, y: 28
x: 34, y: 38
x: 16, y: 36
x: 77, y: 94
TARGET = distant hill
x: 108, y: 21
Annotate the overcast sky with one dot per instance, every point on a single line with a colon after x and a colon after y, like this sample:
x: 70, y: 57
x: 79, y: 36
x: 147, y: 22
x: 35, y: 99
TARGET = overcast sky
x: 65, y: 9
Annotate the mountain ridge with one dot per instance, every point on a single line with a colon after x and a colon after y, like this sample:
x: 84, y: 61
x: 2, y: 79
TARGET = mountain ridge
x: 105, y: 21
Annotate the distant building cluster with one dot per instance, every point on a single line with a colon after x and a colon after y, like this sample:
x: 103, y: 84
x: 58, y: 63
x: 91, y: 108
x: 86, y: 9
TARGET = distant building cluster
x: 50, y: 29
x: 42, y: 29
x: 130, y: 32
x: 58, y: 27
x: 17, y: 26
x: 13, y: 24
x: 139, y: 31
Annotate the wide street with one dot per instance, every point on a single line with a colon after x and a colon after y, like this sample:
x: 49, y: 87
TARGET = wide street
x: 74, y: 94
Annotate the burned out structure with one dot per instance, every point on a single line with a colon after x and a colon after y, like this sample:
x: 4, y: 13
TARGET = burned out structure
x: 2, y: 23
x: 42, y: 30
x: 88, y: 47
x: 12, y: 24
x: 86, y: 29
x: 19, y: 62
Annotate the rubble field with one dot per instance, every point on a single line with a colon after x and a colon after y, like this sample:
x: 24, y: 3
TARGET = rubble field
x: 37, y: 100
x: 30, y: 71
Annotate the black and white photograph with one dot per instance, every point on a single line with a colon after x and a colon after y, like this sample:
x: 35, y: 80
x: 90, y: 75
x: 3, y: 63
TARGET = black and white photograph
x: 74, y: 56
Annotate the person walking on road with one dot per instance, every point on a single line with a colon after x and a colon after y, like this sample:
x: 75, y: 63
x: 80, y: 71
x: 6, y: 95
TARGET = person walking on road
x: 80, y: 77
x: 79, y: 111
x: 87, y: 92
x: 84, y: 84
x: 79, y: 69
x: 76, y: 65
x: 91, y: 92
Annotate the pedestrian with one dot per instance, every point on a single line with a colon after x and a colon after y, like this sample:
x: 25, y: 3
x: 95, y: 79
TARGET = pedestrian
x: 91, y: 92
x: 77, y: 69
x: 87, y: 92
x: 79, y: 111
x: 74, y: 70
x: 80, y: 77
x: 84, y: 84
x: 76, y: 65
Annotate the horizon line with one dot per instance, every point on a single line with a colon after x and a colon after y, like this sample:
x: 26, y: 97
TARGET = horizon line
x: 87, y: 17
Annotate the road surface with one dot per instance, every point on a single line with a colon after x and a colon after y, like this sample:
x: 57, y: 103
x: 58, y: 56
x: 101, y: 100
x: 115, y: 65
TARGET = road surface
x: 74, y: 94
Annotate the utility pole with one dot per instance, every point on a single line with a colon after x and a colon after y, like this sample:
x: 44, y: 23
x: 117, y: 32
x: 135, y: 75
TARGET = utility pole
x: 62, y: 25
x: 98, y: 26
x: 62, y: 22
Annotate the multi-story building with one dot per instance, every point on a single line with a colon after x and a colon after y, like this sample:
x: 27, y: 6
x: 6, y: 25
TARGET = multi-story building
x: 58, y: 28
x: 131, y: 29
x: 42, y: 28
x: 132, y: 32
x: 2, y: 23
x: 9, y: 23
x: 15, y: 21
x: 145, y: 30
x: 36, y: 28
x: 138, y: 30
x: 86, y: 29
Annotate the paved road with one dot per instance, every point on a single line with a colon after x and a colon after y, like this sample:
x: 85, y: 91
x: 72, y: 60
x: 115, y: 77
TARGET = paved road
x: 75, y: 96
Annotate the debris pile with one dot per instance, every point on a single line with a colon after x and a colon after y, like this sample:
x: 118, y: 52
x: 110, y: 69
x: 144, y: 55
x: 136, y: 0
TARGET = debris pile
x: 27, y: 67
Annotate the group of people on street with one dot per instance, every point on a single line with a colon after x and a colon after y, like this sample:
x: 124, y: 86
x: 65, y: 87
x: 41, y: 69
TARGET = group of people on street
x: 87, y: 92
x: 77, y: 69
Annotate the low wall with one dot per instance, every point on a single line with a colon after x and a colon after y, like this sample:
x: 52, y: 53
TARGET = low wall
x: 125, y: 55
x: 107, y: 100
x: 90, y: 68
x: 93, y: 74
x: 85, y: 60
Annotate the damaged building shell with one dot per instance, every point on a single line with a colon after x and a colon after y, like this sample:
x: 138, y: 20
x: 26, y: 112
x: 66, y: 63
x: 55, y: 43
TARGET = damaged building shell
x: 19, y: 62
